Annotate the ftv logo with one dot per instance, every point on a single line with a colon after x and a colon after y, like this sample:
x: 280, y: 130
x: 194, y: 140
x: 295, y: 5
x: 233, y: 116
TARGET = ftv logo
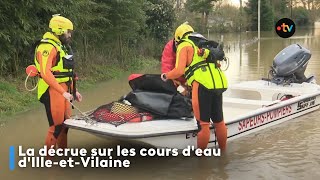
x: 285, y: 27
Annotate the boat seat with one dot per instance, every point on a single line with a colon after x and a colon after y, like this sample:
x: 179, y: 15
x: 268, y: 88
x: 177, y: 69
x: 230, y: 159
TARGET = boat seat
x: 248, y: 101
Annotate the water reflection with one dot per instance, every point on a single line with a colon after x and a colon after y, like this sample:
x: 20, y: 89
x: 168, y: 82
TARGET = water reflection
x: 251, y: 59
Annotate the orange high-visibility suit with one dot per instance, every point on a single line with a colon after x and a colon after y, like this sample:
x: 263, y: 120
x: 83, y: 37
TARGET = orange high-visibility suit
x: 57, y: 107
x: 202, y: 110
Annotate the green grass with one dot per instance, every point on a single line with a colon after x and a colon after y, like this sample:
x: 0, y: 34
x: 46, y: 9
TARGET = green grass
x: 103, y: 72
x: 14, y: 98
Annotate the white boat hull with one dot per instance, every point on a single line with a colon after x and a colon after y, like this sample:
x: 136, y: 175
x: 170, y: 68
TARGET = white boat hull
x: 243, y: 116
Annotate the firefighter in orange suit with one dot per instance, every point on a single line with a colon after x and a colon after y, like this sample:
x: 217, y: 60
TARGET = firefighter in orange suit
x: 207, y: 82
x: 56, y: 86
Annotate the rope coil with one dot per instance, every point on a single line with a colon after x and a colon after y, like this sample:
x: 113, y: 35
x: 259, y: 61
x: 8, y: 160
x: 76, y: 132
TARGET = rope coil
x: 26, y: 80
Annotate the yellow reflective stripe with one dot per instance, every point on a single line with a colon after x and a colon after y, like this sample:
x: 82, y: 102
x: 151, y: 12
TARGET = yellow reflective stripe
x: 50, y: 36
x: 45, y: 50
x: 180, y: 46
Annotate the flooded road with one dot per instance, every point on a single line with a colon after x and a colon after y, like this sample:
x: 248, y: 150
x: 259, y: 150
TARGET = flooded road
x: 287, y: 151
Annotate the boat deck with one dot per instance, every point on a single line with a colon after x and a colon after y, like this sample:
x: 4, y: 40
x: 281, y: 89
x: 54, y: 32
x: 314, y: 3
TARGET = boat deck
x: 231, y: 113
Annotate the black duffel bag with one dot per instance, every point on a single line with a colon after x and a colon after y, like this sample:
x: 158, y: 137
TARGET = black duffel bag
x: 181, y: 106
x: 152, y: 83
x: 162, y: 104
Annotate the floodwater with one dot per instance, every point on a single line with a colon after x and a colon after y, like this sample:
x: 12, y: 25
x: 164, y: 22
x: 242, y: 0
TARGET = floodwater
x: 290, y: 150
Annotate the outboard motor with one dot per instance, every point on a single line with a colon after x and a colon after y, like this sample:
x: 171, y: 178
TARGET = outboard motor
x: 290, y: 64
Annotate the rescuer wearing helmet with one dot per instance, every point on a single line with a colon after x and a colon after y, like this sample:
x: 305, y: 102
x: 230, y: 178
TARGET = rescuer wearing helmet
x: 207, y: 82
x: 55, y: 64
x: 168, y: 61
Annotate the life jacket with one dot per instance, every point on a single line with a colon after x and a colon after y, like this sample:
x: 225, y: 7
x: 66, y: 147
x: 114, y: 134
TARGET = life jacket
x: 202, y: 70
x: 62, y: 70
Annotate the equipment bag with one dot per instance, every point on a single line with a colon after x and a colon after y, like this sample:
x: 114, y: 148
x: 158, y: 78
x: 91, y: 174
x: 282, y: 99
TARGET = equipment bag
x: 161, y: 104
